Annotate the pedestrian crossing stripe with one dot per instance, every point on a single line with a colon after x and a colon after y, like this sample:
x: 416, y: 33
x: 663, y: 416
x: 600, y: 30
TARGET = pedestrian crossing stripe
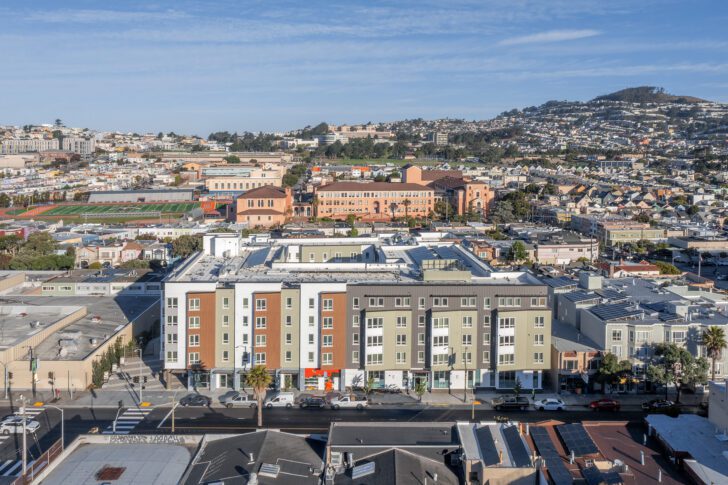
x: 128, y: 420
x: 13, y: 468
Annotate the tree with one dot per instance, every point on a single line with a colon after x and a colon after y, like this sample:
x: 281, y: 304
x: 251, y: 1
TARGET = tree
x: 232, y: 159
x: 517, y: 387
x: 135, y: 264
x: 714, y: 342
x: 667, y: 268
x: 184, y: 246
x: 369, y: 386
x: 676, y: 365
x: 502, y: 212
x: 517, y: 252
x: 353, y: 232
x: 95, y: 265
x: 642, y: 217
x: 611, y: 368
x: 406, y: 203
x: 259, y: 379
x: 420, y: 389
x: 692, y: 210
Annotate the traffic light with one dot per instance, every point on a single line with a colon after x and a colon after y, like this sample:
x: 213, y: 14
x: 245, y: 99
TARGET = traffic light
x: 10, y: 375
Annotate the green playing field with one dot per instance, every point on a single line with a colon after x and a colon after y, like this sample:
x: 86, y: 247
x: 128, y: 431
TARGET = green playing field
x: 166, y: 208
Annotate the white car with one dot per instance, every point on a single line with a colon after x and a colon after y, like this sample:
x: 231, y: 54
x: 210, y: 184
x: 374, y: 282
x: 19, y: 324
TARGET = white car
x: 549, y: 404
x: 14, y: 424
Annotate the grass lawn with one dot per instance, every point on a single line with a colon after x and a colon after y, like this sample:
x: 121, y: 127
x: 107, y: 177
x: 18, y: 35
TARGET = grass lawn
x: 133, y: 209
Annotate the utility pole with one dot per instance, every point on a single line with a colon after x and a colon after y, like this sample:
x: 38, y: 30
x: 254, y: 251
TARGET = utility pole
x: 25, y: 450
x: 141, y: 384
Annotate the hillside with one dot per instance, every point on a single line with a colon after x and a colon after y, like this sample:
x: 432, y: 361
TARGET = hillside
x: 647, y: 94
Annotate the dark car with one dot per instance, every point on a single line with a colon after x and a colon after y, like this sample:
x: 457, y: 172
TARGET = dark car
x: 605, y: 404
x: 506, y: 403
x: 312, y: 402
x: 195, y: 400
x: 657, y: 404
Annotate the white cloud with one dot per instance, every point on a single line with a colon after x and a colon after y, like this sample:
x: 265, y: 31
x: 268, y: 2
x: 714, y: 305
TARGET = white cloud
x: 550, y: 36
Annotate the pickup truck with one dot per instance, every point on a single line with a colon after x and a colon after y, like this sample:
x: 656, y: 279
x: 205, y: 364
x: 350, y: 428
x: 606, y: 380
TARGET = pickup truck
x: 507, y: 403
x: 349, y: 401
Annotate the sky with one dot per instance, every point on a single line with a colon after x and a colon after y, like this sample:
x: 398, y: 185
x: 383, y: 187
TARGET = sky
x: 195, y: 67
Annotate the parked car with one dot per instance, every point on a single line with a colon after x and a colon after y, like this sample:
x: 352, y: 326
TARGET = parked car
x: 506, y: 403
x: 657, y: 404
x: 237, y: 399
x: 349, y: 401
x: 280, y: 400
x: 312, y: 402
x: 14, y: 424
x: 549, y: 404
x: 605, y: 404
x: 195, y: 400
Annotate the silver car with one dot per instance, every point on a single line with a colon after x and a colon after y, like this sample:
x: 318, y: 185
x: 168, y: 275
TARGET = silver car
x: 14, y: 425
x: 549, y: 404
x: 237, y: 399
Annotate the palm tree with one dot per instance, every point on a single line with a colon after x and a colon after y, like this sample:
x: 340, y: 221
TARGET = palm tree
x: 714, y: 342
x: 259, y: 379
x: 406, y: 203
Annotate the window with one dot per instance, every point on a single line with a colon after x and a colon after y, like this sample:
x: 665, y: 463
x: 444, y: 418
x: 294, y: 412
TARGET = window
x: 327, y: 340
x: 328, y: 322
x: 617, y: 350
x: 421, y: 357
x: 467, y: 301
x: 310, y: 321
x: 289, y: 356
x: 171, y: 302
x: 226, y: 320
x: 506, y: 322
x: 440, y: 341
x: 421, y: 304
x: 538, y: 301
x: 401, y: 358
x: 375, y: 322
x: 260, y: 340
x: 467, y: 339
x: 486, y: 303
x: 506, y: 340
x: 401, y: 322
x: 311, y: 339
x: 225, y: 356
x: 374, y: 340
x: 643, y: 335
x: 245, y: 339
x: 467, y: 322
x: 539, y: 322
x: 289, y: 320
x: 420, y: 339
x: 401, y: 339
x: 440, y: 302
x: 486, y: 320
x: 506, y: 359
x: 289, y: 302
x: 327, y: 358
x: 355, y: 303
x: 679, y: 337
x: 402, y: 302
x: 486, y: 356
x: 194, y: 322
x: 374, y: 359
x: 355, y: 321
x: 194, y: 304
x: 194, y: 340
x: 486, y: 339
x: 311, y: 303
x: 328, y: 304
x: 616, y: 335
x: 171, y: 319
x: 421, y: 321
x: 261, y: 304
x: 194, y: 358
x: 355, y: 338
x: 260, y: 322
x: 225, y: 303
x: 355, y: 357
x: 171, y: 356
x: 245, y: 321
x: 441, y: 322
x: 509, y: 302
x: 440, y: 359
x: 226, y: 338
x: 467, y: 357
x: 260, y: 358
x: 538, y: 357
x: 289, y: 338
x: 171, y: 338
x: 376, y: 302
x: 538, y: 339
x: 310, y: 357
x: 245, y: 303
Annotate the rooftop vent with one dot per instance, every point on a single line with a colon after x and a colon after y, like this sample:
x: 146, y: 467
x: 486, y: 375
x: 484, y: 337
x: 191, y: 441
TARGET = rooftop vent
x: 269, y: 470
x: 363, y: 470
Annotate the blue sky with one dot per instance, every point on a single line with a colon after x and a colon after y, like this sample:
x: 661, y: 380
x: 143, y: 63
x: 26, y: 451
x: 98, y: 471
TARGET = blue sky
x: 202, y: 66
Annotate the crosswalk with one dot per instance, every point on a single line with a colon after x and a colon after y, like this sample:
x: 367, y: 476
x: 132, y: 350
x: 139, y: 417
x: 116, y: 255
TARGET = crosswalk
x: 12, y: 468
x: 128, y: 420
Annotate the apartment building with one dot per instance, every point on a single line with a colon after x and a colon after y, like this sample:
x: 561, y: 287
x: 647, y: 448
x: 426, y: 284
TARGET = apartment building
x: 82, y: 146
x: 327, y: 314
x: 374, y: 201
x: 615, y: 231
x: 265, y: 206
x: 230, y: 181
x: 24, y: 145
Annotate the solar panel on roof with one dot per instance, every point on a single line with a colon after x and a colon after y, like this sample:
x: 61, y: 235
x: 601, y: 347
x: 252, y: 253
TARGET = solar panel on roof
x: 360, y: 471
x: 516, y: 447
x: 577, y: 439
x: 546, y: 448
x: 487, y: 446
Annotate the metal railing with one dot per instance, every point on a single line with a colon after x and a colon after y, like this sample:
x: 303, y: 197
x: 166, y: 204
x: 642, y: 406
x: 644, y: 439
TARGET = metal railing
x: 40, y: 464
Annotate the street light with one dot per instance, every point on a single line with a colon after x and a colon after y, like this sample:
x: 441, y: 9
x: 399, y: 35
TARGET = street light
x: 141, y: 384
x: 25, y: 450
x: 63, y: 441
x: 465, y: 362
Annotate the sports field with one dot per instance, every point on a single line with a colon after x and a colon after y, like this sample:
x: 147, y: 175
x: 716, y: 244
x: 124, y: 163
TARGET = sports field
x: 165, y: 208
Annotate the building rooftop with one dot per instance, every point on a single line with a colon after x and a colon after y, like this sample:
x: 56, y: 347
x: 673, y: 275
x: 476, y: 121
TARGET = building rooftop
x: 20, y: 321
x: 566, y: 338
